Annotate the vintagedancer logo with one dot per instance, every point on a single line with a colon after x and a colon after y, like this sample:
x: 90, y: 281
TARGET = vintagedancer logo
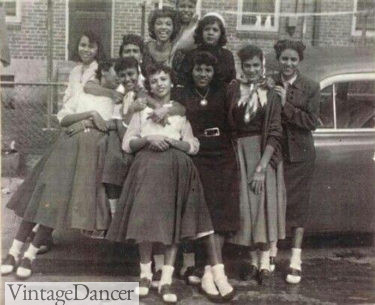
x: 70, y: 293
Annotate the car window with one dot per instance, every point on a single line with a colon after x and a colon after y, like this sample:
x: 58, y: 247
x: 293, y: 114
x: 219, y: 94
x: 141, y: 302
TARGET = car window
x: 355, y: 104
x: 326, y: 108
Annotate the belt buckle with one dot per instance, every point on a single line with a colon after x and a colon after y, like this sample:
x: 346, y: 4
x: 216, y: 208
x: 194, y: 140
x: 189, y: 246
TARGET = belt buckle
x: 212, y: 132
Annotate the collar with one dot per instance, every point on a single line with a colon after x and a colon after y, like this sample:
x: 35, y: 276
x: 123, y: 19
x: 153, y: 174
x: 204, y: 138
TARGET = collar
x: 297, y: 81
x: 289, y: 81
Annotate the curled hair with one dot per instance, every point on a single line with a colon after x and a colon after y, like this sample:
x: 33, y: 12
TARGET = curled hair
x: 163, y: 13
x: 157, y: 68
x: 131, y: 39
x: 104, y: 65
x: 198, y: 34
x: 93, y: 38
x: 124, y: 63
x: 295, y: 45
x: 203, y: 58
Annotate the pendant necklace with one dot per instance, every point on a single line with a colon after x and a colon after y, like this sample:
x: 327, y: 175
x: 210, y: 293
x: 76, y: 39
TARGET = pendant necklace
x: 203, y: 101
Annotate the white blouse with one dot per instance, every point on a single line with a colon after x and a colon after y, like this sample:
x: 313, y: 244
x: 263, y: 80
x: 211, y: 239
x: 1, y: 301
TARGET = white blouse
x: 83, y: 102
x: 78, y: 78
x: 178, y: 128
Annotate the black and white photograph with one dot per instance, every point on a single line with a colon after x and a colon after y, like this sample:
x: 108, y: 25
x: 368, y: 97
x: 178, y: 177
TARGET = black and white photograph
x: 187, y: 152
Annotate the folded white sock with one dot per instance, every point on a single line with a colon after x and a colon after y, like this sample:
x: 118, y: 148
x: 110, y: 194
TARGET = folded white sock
x: 221, y: 279
x: 264, y: 258
x: 295, y: 260
x: 208, y: 284
x: 146, y: 271
x: 15, y: 249
x: 31, y: 252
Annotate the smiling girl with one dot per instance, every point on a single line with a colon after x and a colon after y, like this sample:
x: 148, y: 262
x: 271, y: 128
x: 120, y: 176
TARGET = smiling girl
x: 64, y: 189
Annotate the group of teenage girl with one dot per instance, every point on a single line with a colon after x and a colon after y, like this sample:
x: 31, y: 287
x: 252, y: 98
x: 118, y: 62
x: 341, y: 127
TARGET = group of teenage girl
x: 170, y: 145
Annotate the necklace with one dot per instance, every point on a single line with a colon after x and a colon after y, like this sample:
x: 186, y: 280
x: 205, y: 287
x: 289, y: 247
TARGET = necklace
x: 203, y: 101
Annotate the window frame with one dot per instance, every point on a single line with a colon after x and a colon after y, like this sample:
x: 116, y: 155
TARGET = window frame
x: 242, y: 27
x: 17, y: 18
x: 355, y: 32
x: 333, y: 80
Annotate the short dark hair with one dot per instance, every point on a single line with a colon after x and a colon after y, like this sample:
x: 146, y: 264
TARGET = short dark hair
x: 104, y: 65
x: 124, y: 63
x: 131, y: 39
x: 93, y: 38
x: 203, y: 58
x: 165, y: 12
x: 198, y: 34
x: 295, y: 45
x: 156, y: 68
x: 249, y: 52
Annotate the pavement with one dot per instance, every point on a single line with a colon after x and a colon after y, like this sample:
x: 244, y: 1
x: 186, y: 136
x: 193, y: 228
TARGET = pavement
x: 336, y: 270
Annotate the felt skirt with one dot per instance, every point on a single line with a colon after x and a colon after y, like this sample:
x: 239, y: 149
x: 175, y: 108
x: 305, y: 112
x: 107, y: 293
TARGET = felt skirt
x: 162, y: 200
x: 262, y: 217
x: 65, y: 188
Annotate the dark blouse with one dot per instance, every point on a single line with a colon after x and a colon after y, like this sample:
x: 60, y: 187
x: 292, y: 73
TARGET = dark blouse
x: 225, y: 71
x: 254, y: 127
x: 213, y: 115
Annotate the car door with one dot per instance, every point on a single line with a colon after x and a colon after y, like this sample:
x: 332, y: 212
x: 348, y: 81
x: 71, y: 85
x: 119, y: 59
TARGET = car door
x: 343, y: 190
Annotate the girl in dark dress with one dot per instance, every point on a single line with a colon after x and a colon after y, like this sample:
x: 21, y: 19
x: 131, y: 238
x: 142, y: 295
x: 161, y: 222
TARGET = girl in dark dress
x: 162, y: 199
x: 256, y: 114
x: 300, y: 99
x: 64, y: 190
x: 207, y: 107
x: 210, y: 36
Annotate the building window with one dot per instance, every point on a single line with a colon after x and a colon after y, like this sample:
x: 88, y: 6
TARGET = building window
x: 359, y: 20
x: 12, y: 10
x: 253, y: 15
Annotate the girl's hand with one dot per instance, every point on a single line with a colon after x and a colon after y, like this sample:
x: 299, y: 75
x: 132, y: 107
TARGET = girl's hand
x: 280, y: 91
x: 159, y: 116
x: 99, y: 121
x: 138, y: 105
x: 75, y: 128
x: 157, y: 143
x: 257, y: 183
x: 270, y: 82
x: 117, y: 97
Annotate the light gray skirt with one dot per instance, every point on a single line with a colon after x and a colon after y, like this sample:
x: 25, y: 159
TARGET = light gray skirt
x: 262, y: 217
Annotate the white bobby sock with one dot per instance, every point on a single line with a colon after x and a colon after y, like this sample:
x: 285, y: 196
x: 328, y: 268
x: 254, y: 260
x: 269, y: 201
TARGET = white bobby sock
x: 254, y: 258
x: 207, y: 282
x: 264, y: 260
x: 15, y: 249
x: 146, y: 271
x: 159, y: 261
x: 31, y: 252
x: 273, y: 248
x: 112, y: 205
x: 295, y: 260
x: 221, y: 279
x: 166, y: 275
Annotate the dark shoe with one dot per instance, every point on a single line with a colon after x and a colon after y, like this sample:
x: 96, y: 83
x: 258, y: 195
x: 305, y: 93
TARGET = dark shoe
x: 168, y: 294
x: 193, y: 276
x: 264, y: 277
x: 216, y: 298
x: 24, y: 270
x: 144, y: 287
x: 248, y: 272
x: 156, y: 279
x: 272, y: 263
x: 8, y: 265
x: 229, y: 296
x: 294, y: 276
x: 45, y: 248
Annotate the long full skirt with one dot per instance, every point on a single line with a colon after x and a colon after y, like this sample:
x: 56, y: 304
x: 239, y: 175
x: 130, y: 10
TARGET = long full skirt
x: 162, y: 200
x: 262, y: 217
x: 64, y: 190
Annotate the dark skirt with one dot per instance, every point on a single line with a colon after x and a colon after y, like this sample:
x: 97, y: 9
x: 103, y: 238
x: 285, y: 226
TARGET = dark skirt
x: 298, y: 179
x: 262, y: 216
x: 116, y: 161
x: 218, y: 171
x: 162, y: 200
x: 64, y: 190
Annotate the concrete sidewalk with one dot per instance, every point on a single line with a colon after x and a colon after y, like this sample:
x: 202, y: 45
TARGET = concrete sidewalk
x: 330, y: 275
